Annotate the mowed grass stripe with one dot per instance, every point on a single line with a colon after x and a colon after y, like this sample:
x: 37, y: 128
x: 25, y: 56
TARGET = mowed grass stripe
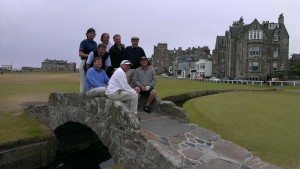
x: 266, y: 123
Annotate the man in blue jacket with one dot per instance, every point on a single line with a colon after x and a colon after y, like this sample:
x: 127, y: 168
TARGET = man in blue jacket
x: 96, y: 79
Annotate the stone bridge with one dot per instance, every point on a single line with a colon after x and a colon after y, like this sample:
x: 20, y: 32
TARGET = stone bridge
x: 161, y: 140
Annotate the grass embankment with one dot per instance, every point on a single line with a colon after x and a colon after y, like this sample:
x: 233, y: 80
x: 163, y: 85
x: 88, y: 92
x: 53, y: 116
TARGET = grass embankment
x: 266, y: 123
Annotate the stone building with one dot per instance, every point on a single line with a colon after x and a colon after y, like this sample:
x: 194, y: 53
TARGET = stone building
x: 252, y: 51
x: 177, y: 61
x: 58, y: 65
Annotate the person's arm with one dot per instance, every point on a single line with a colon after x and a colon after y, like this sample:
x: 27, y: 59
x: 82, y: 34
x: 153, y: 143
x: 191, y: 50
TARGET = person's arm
x: 83, y: 55
x: 135, y: 78
x: 90, y: 60
x: 153, y: 81
x: 106, y: 79
x: 122, y: 80
x: 81, y: 50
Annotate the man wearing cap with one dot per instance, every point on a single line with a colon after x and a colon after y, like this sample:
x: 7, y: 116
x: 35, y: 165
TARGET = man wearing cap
x: 144, y: 80
x: 96, y: 79
x: 133, y: 53
x: 86, y: 46
x: 119, y: 89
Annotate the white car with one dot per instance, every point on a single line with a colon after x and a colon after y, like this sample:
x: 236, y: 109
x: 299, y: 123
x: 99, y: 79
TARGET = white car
x: 164, y: 75
x: 214, y: 79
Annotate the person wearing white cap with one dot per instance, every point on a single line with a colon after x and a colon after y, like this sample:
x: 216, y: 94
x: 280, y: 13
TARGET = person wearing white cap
x: 119, y: 89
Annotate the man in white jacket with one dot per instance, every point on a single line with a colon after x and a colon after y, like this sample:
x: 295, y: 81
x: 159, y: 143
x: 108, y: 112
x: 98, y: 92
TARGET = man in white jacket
x: 119, y: 89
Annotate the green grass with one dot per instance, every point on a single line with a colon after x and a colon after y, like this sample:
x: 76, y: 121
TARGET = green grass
x: 272, y: 135
x: 266, y: 123
x: 170, y: 87
x: 19, y: 126
x: 17, y: 89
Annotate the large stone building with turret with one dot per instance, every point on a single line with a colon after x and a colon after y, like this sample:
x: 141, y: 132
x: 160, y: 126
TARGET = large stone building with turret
x: 252, y: 51
x: 177, y: 61
x: 58, y: 65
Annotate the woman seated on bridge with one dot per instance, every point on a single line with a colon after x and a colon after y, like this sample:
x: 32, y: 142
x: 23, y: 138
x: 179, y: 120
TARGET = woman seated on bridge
x: 96, y: 79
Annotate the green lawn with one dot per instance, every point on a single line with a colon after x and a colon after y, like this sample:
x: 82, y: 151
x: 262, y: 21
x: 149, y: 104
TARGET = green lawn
x: 276, y: 125
x: 266, y: 123
x: 170, y: 87
x: 16, y: 89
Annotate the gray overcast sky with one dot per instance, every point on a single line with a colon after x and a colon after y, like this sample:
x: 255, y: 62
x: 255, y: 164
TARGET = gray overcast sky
x: 33, y: 30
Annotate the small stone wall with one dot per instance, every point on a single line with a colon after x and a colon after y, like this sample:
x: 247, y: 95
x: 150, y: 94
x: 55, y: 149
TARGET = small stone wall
x: 28, y: 154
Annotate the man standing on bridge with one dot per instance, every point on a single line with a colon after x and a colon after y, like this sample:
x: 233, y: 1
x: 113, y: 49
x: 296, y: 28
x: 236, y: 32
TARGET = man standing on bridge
x: 133, y: 53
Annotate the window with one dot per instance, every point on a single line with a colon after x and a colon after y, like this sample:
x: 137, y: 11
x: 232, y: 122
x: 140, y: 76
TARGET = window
x: 282, y: 66
x: 275, y: 37
x: 275, y: 53
x: 255, y: 34
x: 274, y: 66
x: 253, y: 66
x: 254, y: 51
x: 202, y: 65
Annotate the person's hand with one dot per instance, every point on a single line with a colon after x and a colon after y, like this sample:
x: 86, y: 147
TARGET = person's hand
x: 139, y: 95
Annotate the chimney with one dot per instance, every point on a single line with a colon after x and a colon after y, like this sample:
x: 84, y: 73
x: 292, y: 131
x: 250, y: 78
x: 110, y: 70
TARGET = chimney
x: 241, y: 21
x: 281, y: 19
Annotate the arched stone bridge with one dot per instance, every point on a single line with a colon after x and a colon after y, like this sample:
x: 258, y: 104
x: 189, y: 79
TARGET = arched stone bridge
x: 161, y: 140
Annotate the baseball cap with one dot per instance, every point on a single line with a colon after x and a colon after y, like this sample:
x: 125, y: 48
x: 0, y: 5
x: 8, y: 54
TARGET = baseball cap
x: 144, y: 57
x: 126, y: 62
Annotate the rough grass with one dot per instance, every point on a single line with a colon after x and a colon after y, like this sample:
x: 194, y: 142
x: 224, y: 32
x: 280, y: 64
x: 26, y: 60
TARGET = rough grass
x: 17, y: 89
x: 266, y: 123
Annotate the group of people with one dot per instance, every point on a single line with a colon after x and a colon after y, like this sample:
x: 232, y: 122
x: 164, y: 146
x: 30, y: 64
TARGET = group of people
x: 115, y: 71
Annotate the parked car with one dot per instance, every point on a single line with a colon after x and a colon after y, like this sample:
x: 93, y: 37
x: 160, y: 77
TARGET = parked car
x: 164, y: 75
x: 225, y: 79
x: 198, y: 78
x: 239, y: 81
x: 214, y: 79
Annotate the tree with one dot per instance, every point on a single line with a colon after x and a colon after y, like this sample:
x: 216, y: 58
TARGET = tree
x: 295, y: 68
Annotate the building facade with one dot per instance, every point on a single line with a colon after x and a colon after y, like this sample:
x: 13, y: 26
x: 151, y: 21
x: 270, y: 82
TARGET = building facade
x: 58, y: 65
x: 203, y: 68
x: 252, y: 51
x: 177, y: 61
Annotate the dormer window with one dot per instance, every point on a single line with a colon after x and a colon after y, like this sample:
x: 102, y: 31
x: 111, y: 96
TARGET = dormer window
x: 255, y: 34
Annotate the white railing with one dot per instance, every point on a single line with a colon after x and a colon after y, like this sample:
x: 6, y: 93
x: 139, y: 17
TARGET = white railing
x: 283, y: 82
x: 248, y: 82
